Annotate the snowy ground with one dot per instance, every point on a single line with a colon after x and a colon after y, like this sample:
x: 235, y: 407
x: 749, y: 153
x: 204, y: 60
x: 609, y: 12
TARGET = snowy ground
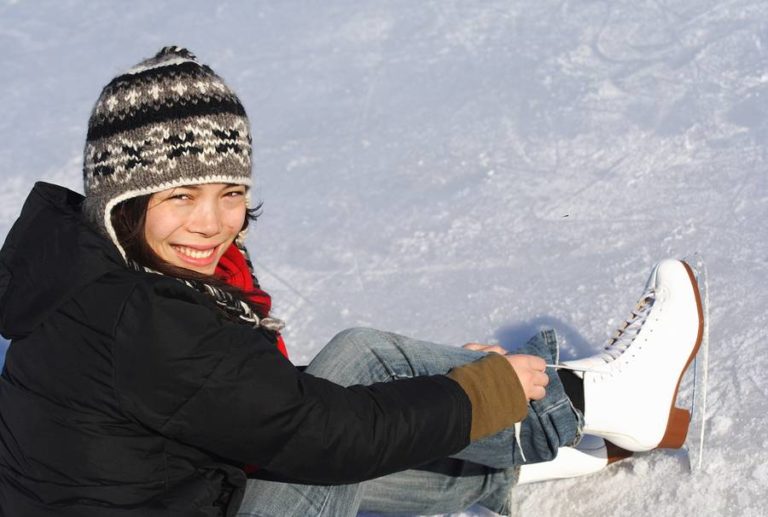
x: 464, y: 170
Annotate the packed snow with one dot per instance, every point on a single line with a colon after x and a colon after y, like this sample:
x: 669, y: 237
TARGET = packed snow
x: 468, y: 171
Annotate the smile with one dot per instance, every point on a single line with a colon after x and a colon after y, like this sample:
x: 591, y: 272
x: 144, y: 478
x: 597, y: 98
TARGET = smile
x: 194, y: 253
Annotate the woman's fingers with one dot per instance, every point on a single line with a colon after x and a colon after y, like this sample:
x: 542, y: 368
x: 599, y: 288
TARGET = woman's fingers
x: 485, y: 348
x: 539, y: 381
x: 530, y: 372
x: 530, y: 369
x: 538, y: 393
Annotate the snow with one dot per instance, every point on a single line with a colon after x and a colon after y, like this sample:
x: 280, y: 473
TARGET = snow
x: 466, y: 171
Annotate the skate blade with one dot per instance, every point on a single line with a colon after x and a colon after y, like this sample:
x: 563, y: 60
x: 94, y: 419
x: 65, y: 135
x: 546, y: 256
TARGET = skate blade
x: 693, y: 389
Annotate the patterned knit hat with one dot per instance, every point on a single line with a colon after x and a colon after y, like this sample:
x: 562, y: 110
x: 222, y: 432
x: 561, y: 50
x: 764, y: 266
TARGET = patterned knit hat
x: 166, y: 122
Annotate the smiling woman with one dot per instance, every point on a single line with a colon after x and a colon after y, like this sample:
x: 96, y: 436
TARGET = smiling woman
x: 147, y: 377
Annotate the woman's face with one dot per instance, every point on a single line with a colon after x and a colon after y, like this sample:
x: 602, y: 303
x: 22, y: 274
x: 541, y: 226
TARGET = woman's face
x: 192, y: 226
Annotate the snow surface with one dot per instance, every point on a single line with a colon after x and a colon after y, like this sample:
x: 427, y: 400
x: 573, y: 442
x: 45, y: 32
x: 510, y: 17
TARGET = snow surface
x: 465, y: 170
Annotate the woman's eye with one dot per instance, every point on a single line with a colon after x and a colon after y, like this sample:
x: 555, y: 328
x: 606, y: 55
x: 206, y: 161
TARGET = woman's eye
x: 235, y: 193
x: 183, y: 197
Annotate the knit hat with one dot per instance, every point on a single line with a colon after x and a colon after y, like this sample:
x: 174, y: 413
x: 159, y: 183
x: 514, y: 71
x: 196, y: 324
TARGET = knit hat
x: 166, y: 122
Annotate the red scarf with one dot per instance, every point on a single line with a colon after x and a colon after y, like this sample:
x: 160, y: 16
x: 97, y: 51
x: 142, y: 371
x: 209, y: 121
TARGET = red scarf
x: 233, y: 269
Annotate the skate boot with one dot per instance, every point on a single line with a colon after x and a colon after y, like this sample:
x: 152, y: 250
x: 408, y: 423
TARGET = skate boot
x: 631, y: 387
x: 591, y: 455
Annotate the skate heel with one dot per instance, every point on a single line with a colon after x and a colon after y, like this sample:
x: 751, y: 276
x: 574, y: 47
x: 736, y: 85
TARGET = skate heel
x: 616, y: 453
x: 677, y: 428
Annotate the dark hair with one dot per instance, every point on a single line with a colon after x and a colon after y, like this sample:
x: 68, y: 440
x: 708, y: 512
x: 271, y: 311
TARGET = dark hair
x: 128, y: 220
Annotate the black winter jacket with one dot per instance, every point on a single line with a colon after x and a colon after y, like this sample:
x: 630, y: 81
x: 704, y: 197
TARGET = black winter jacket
x: 127, y: 393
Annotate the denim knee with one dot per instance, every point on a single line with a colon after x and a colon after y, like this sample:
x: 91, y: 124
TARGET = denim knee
x: 353, y: 342
x: 353, y: 338
x: 347, y: 357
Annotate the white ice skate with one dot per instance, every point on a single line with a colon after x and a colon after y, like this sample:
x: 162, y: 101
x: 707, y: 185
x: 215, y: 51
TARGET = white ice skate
x: 631, y: 387
x: 591, y: 455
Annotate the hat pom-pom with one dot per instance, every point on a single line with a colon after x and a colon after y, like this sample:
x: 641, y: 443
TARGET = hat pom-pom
x: 173, y: 50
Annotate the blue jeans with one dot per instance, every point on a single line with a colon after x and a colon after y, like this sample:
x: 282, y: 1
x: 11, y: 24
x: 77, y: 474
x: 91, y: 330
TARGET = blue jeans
x: 483, y: 473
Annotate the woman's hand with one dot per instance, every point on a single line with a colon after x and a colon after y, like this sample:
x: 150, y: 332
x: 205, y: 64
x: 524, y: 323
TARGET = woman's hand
x: 530, y: 369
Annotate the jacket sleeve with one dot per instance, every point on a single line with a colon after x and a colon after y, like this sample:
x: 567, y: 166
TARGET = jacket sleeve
x: 185, y: 373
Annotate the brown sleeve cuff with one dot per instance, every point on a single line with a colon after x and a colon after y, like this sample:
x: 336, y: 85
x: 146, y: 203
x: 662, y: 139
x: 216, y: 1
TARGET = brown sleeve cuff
x: 497, y: 397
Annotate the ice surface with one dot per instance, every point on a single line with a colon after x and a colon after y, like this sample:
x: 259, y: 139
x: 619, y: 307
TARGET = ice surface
x: 463, y: 171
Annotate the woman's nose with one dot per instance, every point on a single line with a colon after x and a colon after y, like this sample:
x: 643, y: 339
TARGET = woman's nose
x: 205, y: 220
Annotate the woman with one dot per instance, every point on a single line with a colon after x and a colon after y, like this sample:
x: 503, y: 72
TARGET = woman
x: 146, y: 376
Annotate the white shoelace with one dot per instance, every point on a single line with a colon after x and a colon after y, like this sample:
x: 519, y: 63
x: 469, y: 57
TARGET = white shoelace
x: 518, y: 429
x: 629, y: 330
x: 624, y: 336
